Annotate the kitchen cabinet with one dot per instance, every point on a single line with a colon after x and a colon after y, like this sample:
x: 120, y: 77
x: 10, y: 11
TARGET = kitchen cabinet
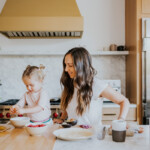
x: 111, y: 112
x: 145, y: 6
x: 135, y: 10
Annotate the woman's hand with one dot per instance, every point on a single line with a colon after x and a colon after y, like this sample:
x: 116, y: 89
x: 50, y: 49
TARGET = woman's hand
x: 127, y: 126
x: 62, y: 118
x: 58, y: 121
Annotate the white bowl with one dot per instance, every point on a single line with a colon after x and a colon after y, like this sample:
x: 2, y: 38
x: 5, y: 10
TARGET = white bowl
x: 34, y: 131
x: 19, y: 122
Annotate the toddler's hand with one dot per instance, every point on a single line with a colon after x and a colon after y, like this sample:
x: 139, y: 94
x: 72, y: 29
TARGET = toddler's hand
x: 13, y: 109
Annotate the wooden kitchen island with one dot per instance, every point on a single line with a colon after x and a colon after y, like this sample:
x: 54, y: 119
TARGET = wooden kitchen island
x: 19, y: 139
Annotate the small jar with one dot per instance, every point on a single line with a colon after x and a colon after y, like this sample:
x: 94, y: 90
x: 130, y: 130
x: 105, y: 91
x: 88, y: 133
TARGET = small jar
x: 113, y: 47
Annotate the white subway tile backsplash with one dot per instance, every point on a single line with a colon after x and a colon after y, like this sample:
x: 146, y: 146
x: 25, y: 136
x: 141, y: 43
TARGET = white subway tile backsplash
x: 12, y: 67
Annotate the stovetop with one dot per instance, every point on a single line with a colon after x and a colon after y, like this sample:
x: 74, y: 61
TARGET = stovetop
x: 9, y: 102
x: 5, y: 108
x: 4, y: 121
x: 53, y: 101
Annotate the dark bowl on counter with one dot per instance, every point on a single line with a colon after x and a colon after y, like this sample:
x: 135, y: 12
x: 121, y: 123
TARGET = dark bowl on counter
x: 71, y: 122
x: 66, y: 125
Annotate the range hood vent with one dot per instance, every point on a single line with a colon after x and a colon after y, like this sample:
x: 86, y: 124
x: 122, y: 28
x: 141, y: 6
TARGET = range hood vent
x: 41, y: 19
x: 41, y: 34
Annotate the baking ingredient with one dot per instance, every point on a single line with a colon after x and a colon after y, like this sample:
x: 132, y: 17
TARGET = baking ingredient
x: 55, y: 115
x: 38, y: 125
x: 140, y: 130
x: 2, y: 128
x: 71, y: 120
x: 85, y: 126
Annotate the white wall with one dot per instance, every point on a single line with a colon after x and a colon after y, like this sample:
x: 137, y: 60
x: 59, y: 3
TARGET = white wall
x: 104, y: 24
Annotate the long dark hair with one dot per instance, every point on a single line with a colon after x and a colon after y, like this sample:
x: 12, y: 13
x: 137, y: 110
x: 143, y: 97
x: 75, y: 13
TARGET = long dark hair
x: 83, y: 80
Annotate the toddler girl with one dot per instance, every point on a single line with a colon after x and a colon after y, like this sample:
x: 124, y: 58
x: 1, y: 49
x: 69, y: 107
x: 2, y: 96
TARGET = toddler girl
x: 36, y: 98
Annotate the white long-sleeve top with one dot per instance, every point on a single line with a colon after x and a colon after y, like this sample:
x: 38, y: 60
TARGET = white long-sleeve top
x: 39, y: 98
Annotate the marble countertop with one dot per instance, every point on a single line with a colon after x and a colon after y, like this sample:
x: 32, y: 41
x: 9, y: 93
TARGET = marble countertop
x: 106, y: 105
x: 116, y: 105
x: 18, y: 138
x: 137, y: 142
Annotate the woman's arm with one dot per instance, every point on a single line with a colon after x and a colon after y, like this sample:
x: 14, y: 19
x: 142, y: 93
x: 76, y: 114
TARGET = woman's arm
x: 62, y: 118
x: 117, y: 98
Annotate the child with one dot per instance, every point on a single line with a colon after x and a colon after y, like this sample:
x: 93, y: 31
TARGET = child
x: 38, y: 106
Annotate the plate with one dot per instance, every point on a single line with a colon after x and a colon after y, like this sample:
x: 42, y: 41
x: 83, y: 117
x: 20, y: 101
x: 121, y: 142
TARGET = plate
x: 73, y: 134
x: 4, y: 127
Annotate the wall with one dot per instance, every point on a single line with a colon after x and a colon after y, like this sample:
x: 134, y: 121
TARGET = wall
x: 104, y: 24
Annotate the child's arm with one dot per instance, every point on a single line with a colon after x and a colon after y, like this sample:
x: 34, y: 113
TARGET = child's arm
x: 41, y: 105
x: 19, y: 105
x: 34, y: 109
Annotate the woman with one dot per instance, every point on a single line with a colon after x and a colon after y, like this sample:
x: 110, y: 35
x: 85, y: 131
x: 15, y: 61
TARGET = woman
x: 83, y: 93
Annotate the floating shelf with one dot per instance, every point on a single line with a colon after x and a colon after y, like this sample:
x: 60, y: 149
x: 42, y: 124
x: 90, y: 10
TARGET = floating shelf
x: 56, y: 53
x: 110, y: 53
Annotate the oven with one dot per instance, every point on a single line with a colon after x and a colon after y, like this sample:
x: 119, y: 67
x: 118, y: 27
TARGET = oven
x: 115, y: 84
x: 55, y: 107
x: 5, y: 109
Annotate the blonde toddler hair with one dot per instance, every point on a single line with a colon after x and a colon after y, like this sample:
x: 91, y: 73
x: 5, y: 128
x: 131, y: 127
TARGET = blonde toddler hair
x: 34, y: 71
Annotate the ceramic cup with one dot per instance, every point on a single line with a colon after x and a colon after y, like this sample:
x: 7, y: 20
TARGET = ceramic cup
x: 121, y: 48
x: 113, y: 47
x: 118, y: 130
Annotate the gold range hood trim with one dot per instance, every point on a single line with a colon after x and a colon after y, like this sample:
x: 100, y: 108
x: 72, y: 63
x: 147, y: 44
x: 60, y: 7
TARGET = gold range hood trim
x: 44, y: 26
x: 61, y: 27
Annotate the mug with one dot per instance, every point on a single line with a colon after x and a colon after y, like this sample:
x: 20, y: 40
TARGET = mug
x: 118, y: 130
x: 113, y: 47
x: 121, y: 48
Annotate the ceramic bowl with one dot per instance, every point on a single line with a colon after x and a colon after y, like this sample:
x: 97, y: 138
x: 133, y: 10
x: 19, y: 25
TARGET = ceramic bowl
x: 71, y: 122
x: 66, y: 125
x: 19, y: 122
x: 36, y: 129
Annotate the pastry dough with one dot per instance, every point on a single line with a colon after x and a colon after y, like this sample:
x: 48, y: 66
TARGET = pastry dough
x: 2, y: 128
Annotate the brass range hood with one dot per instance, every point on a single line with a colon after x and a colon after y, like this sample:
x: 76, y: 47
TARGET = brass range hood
x: 41, y: 19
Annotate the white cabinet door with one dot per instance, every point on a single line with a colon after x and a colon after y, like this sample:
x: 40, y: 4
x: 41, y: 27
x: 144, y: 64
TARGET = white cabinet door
x: 147, y: 28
